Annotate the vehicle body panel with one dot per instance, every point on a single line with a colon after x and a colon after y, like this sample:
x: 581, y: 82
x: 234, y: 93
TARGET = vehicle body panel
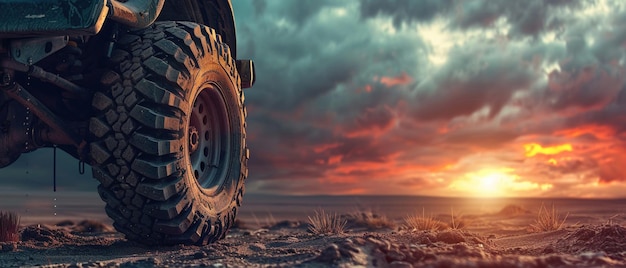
x: 51, y: 17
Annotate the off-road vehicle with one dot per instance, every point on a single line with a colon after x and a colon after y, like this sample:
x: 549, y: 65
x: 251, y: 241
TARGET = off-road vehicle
x: 147, y: 92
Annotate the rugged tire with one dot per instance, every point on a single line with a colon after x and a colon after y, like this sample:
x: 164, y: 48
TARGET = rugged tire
x: 169, y: 136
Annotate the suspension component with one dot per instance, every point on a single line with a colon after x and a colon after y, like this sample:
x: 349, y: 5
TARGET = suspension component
x: 61, y: 132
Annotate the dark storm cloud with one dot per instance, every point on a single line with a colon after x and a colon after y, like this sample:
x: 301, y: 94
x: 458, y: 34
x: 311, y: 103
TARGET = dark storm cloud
x: 363, y: 149
x: 591, y: 74
x: 374, y: 121
x: 324, y: 78
x: 486, y: 137
x: 373, y: 99
x: 526, y: 17
x: 339, y: 101
x: 610, y: 115
x: 403, y: 11
x: 311, y: 61
x: 301, y: 11
x: 259, y: 7
x: 473, y: 78
x: 347, y: 93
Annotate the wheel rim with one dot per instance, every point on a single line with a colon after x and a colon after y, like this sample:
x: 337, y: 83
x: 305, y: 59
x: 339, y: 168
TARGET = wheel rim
x: 209, y: 139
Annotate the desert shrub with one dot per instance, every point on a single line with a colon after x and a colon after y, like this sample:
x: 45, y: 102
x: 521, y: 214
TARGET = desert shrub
x: 423, y: 223
x: 368, y: 219
x: 548, y: 220
x: 326, y: 223
x: 9, y: 224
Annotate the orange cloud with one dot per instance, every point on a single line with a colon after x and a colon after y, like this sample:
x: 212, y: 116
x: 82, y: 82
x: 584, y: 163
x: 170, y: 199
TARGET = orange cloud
x: 387, y: 170
x: 352, y: 191
x: 553, y: 161
x: 325, y: 147
x: 335, y: 159
x: 443, y: 130
x: 403, y: 79
x: 533, y: 149
x: 599, y: 131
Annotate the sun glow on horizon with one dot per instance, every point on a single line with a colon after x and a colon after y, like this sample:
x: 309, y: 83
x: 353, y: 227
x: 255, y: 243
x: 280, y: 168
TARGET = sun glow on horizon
x: 495, y: 183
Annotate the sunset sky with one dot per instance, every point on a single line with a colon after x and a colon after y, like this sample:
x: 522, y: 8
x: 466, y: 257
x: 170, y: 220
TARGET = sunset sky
x: 429, y: 97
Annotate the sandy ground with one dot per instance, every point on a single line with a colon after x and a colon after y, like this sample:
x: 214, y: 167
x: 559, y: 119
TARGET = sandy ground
x: 503, y: 239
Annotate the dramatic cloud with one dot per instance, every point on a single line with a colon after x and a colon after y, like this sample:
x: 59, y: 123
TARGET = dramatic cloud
x: 422, y: 97
x: 523, y: 17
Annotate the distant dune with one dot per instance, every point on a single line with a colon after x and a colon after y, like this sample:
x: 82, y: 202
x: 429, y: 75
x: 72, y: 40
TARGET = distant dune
x: 512, y: 210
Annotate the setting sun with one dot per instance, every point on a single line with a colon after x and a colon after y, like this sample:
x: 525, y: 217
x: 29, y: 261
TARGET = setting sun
x: 494, y: 183
x: 491, y: 183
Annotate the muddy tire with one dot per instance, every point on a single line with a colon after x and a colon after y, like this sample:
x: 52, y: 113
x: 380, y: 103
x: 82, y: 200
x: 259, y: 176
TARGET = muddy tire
x: 168, y: 136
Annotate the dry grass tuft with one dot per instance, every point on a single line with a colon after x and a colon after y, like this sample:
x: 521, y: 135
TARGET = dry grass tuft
x: 611, y: 220
x: 457, y: 222
x: 9, y: 224
x: 326, y: 223
x: 423, y: 223
x: 267, y: 222
x: 368, y: 219
x: 548, y: 220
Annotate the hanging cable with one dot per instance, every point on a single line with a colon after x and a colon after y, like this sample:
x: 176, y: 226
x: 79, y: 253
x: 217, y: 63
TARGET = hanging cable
x: 54, y: 167
x: 81, y: 167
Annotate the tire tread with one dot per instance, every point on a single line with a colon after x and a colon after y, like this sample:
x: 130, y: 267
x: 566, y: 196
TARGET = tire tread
x: 136, y: 149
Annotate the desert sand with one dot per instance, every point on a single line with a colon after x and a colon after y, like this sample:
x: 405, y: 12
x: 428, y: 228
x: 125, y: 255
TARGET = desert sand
x: 593, y: 235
